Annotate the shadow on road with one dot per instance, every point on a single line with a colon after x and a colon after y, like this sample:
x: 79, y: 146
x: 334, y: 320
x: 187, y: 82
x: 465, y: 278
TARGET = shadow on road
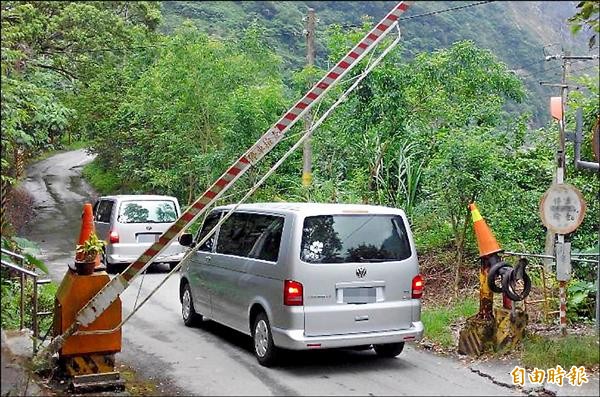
x: 308, y: 362
x: 155, y: 268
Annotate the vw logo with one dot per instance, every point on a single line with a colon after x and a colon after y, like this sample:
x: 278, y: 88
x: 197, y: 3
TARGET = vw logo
x: 148, y: 227
x: 361, y: 272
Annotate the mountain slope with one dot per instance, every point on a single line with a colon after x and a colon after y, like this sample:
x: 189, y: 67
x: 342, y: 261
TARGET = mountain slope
x: 517, y: 32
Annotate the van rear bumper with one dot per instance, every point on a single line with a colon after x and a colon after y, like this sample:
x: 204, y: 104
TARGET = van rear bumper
x: 128, y: 253
x: 295, y: 339
x: 131, y: 258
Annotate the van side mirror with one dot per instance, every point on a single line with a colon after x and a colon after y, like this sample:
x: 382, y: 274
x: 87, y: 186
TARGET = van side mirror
x: 186, y: 239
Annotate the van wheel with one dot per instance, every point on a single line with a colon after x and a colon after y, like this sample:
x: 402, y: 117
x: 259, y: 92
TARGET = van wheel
x: 190, y: 317
x: 389, y: 350
x: 110, y: 268
x: 264, y: 349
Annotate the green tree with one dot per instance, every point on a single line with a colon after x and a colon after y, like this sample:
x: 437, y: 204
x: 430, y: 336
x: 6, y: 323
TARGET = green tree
x: 195, y: 108
x: 587, y: 16
x: 49, y: 49
x: 465, y: 167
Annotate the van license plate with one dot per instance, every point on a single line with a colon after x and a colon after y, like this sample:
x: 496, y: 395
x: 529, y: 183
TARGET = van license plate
x: 360, y: 295
x: 147, y: 237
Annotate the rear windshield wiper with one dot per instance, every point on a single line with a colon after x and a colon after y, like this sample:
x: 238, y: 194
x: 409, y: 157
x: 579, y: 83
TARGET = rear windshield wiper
x: 374, y: 259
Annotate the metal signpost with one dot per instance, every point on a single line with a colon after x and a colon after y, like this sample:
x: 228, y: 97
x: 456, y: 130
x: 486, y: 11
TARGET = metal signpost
x: 562, y: 209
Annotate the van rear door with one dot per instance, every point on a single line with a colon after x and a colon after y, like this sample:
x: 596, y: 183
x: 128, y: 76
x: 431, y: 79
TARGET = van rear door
x: 358, y: 270
x: 143, y: 221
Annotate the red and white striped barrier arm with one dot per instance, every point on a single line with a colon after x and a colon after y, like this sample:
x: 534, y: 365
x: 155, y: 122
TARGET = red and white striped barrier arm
x: 96, y: 306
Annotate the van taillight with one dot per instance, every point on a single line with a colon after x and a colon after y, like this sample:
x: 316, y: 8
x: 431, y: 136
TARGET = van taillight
x: 417, y: 287
x: 292, y: 293
x: 113, y: 237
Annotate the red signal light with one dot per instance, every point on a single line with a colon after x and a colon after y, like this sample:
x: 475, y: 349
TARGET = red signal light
x: 292, y: 293
x: 113, y: 237
x: 417, y: 287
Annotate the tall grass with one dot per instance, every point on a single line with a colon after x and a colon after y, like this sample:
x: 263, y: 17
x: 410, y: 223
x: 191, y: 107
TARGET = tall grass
x: 543, y: 352
x: 439, y: 320
x: 103, y: 181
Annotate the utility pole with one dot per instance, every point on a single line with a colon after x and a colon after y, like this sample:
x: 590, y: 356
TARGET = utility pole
x: 562, y: 245
x: 562, y: 248
x: 310, y: 61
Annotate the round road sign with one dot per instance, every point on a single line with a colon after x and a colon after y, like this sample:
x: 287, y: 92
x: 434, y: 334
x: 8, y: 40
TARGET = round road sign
x: 562, y: 208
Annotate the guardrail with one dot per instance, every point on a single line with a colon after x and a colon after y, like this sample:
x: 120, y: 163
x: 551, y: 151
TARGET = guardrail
x: 23, y: 272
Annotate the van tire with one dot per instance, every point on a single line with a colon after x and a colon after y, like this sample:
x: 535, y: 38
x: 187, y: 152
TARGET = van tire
x: 188, y: 313
x: 265, y: 350
x: 389, y: 350
x: 109, y: 267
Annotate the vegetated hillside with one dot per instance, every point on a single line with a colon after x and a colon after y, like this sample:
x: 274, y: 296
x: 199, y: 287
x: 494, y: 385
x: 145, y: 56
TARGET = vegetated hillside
x: 517, y: 32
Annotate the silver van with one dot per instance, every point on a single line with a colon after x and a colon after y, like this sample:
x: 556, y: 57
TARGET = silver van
x: 130, y: 224
x: 307, y: 276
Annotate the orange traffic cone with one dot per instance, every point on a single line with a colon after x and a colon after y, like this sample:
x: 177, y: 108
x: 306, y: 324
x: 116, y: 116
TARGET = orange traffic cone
x: 87, y: 228
x: 485, y: 238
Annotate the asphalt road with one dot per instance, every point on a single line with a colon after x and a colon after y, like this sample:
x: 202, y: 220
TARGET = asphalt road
x: 211, y: 359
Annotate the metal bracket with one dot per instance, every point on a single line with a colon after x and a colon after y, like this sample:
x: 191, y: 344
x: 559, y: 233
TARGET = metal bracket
x: 563, y: 261
x: 96, y: 382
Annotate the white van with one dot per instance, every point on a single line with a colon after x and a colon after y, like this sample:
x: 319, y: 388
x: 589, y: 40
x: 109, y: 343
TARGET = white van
x: 130, y: 224
x: 307, y: 276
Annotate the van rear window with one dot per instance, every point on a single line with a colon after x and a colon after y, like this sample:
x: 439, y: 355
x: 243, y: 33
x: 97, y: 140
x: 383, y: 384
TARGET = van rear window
x: 147, y: 211
x: 354, y: 238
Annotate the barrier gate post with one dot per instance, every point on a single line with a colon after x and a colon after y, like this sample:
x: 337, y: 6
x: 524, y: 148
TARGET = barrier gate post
x: 491, y: 328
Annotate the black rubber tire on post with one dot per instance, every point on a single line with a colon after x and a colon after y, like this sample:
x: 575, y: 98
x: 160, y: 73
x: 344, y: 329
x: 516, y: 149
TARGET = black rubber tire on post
x: 172, y: 265
x: 270, y: 356
x: 389, y: 350
x: 495, y: 272
x: 509, y: 281
x: 188, y: 313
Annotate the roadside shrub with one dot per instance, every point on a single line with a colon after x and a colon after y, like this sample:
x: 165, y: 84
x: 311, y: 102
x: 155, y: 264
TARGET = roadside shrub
x: 102, y: 180
x: 11, y: 300
x: 19, y: 204
x: 11, y: 290
x: 581, y: 298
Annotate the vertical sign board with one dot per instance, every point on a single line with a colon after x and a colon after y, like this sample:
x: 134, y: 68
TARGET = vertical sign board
x: 562, y: 209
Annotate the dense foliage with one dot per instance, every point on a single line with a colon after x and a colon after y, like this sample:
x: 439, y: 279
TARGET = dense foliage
x: 49, y: 50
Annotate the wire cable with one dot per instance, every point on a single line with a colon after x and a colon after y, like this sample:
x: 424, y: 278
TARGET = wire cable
x: 444, y: 10
x: 535, y: 73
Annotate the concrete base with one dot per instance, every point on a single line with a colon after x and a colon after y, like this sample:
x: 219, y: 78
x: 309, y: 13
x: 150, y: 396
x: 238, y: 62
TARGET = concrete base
x: 476, y: 337
x: 510, y: 328
x: 504, y: 331
x: 89, y: 364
